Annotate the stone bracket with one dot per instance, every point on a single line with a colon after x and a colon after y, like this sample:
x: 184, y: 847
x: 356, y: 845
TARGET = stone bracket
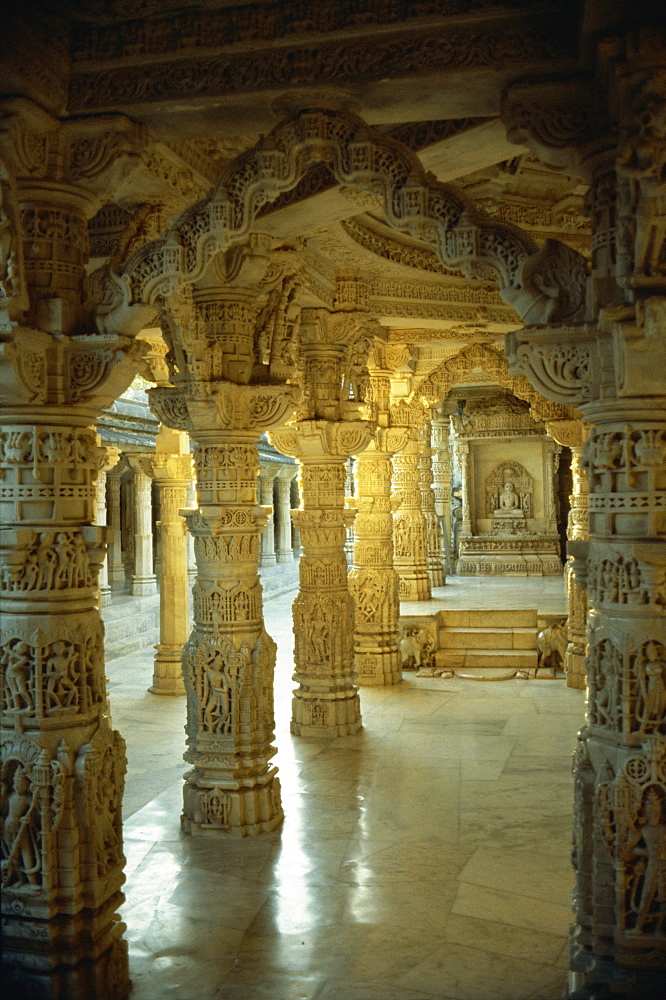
x: 559, y: 362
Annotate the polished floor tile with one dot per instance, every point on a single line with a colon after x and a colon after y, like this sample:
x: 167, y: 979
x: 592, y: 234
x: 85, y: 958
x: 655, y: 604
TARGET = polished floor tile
x: 425, y: 858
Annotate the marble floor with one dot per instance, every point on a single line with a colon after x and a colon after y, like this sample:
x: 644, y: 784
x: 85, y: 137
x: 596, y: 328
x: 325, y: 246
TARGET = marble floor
x: 546, y: 593
x: 425, y: 858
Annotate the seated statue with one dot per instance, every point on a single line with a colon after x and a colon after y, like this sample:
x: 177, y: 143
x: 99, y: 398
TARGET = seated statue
x: 509, y: 503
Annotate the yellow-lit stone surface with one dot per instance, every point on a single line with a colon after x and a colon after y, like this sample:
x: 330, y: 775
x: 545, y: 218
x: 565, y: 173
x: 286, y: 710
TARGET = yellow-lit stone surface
x: 425, y: 857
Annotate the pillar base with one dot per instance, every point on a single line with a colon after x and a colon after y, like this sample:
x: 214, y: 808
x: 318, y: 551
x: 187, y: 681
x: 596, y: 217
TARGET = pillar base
x: 104, y: 596
x: 576, y: 676
x: 378, y: 668
x: 415, y: 587
x: 168, y: 673
x: 76, y: 965
x: 325, y: 716
x: 223, y: 808
x: 269, y: 560
x: 437, y: 575
x: 285, y: 556
x: 143, y: 586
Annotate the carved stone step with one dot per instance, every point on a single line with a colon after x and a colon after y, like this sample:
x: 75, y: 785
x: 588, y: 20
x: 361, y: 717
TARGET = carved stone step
x: 487, y: 638
x: 503, y: 659
x: 483, y: 618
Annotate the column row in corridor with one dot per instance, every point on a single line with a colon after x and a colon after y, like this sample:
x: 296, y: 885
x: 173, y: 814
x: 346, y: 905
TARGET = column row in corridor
x: 263, y: 337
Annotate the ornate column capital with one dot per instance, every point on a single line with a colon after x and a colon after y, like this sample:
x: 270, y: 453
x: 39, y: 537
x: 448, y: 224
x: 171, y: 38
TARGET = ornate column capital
x: 321, y: 439
x: 218, y: 407
x: 79, y: 161
x: 164, y: 468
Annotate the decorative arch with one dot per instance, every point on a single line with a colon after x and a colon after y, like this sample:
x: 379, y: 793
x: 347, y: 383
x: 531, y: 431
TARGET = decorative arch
x: 495, y: 367
x: 544, y: 284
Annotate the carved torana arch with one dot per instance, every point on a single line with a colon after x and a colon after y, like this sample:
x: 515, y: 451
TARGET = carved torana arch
x: 491, y: 364
x: 542, y: 284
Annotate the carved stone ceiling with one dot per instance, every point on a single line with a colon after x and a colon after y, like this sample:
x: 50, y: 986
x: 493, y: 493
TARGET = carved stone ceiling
x: 192, y: 68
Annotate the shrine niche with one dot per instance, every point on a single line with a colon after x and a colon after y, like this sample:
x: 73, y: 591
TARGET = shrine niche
x: 508, y: 467
x: 509, y: 490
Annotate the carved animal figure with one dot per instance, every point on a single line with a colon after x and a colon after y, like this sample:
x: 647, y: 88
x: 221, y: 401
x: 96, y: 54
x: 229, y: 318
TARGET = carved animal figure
x: 415, y: 648
x: 552, y: 646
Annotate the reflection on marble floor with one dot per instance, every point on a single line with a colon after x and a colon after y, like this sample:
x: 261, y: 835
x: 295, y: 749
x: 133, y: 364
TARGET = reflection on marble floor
x: 426, y: 857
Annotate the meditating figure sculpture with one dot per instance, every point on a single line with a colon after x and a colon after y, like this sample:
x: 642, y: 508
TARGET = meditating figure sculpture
x: 509, y: 503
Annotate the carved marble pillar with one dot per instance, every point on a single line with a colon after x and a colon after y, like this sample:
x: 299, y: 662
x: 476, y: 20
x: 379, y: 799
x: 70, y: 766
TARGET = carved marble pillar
x: 109, y: 460
x: 612, y: 369
x: 576, y: 594
x: 285, y: 552
x: 441, y: 469
x: 144, y: 581
x: 464, y: 457
x: 63, y: 766
x: 434, y: 540
x: 267, y: 475
x: 410, y: 535
x: 328, y: 430
x: 326, y: 702
x: 295, y: 504
x: 229, y: 660
x: 116, y: 567
x: 373, y: 580
x: 551, y: 456
x: 171, y: 467
x: 191, y: 502
x: 570, y: 434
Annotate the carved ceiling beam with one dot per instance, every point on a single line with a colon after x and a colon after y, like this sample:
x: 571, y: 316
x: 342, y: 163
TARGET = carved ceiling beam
x: 543, y: 284
x: 226, y: 58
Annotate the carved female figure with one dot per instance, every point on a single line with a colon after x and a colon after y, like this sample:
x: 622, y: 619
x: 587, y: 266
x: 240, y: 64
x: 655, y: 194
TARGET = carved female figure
x: 20, y: 848
x: 215, y: 697
x: 653, y: 689
x: 652, y: 833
